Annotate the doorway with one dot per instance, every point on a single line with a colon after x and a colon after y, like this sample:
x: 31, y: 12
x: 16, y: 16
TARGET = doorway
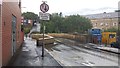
x: 13, y: 34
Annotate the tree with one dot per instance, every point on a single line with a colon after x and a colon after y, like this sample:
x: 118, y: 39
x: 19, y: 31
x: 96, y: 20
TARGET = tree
x: 117, y: 10
x: 60, y: 14
x: 30, y: 15
x: 54, y: 25
x: 76, y: 23
x: 70, y: 24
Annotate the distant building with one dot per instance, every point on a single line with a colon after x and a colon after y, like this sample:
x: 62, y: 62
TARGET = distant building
x: 11, y: 36
x: 27, y: 22
x: 104, y: 20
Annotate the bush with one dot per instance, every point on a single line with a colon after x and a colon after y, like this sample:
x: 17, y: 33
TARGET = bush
x: 27, y: 30
x: 111, y: 30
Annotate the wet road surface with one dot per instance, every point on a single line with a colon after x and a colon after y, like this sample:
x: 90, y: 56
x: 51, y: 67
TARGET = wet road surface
x: 35, y: 28
x: 72, y: 55
x: 69, y: 54
x: 30, y: 55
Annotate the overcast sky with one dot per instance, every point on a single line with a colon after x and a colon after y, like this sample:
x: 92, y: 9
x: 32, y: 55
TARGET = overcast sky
x: 70, y: 7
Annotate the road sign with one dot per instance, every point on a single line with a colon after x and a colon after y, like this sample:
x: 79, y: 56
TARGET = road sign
x: 44, y: 7
x: 44, y: 16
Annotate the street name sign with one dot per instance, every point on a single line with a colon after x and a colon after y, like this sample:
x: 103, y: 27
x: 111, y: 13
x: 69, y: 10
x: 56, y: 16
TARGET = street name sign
x: 44, y: 16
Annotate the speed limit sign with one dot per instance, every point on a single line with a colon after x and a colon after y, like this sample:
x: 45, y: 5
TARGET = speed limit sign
x: 44, y: 7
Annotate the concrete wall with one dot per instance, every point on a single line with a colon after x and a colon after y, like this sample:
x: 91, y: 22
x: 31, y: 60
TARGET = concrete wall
x: 9, y: 9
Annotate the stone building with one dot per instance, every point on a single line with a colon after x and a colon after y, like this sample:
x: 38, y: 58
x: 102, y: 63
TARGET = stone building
x: 104, y: 20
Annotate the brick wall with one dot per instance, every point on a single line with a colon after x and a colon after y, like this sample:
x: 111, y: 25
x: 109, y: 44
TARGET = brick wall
x: 0, y: 38
x: 9, y: 9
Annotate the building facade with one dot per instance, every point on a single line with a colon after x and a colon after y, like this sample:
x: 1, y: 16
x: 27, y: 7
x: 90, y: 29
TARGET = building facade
x: 104, y: 20
x: 12, y: 37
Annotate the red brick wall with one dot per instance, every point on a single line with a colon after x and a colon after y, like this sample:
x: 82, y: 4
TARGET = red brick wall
x: 9, y: 9
x: 0, y: 39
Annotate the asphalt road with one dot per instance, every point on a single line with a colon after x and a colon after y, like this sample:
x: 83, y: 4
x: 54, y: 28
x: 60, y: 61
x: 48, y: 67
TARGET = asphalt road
x: 70, y: 54
x: 35, y: 28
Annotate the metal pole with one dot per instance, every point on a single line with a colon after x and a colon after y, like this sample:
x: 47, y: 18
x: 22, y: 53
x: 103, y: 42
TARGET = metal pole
x: 43, y: 40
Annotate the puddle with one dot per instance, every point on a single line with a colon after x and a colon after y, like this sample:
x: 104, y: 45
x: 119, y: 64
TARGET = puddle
x: 25, y: 49
x: 49, y: 47
x: 56, y: 49
x: 88, y: 63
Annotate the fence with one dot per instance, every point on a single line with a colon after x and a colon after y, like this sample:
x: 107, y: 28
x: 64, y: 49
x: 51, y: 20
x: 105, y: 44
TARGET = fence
x: 82, y: 38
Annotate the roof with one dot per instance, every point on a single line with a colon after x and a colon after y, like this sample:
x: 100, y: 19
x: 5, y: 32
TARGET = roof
x: 103, y: 15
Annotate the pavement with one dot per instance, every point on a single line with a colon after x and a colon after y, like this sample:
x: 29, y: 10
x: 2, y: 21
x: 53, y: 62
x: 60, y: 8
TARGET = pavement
x: 30, y: 55
x: 105, y: 48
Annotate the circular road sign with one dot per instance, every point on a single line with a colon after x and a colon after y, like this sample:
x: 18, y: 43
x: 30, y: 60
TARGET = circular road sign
x: 44, y: 7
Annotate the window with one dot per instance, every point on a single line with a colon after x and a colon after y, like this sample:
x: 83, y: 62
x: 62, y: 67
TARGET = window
x: 106, y: 24
x: 114, y: 24
x: 101, y: 24
x: 111, y: 35
x: 95, y: 24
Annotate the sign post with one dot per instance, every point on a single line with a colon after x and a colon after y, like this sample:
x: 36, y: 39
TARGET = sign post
x: 44, y: 16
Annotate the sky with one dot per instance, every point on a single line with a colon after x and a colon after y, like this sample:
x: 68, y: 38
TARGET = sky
x: 71, y: 7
